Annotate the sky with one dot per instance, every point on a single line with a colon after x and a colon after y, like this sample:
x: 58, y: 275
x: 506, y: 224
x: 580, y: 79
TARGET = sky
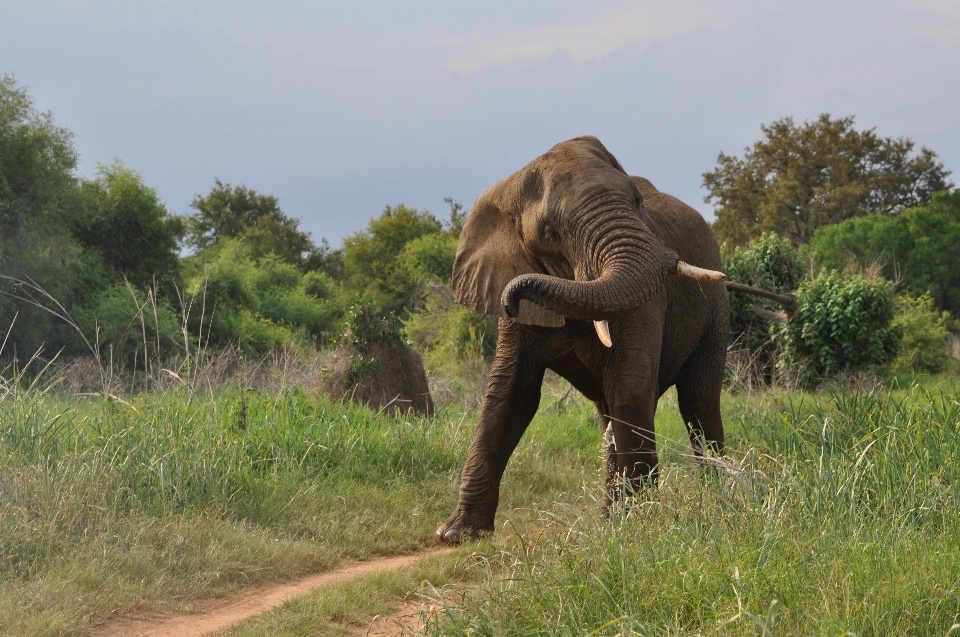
x: 342, y: 108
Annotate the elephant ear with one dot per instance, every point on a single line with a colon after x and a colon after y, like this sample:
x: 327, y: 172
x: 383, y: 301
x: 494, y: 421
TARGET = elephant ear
x: 489, y: 256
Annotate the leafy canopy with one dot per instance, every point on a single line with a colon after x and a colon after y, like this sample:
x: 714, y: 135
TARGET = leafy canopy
x: 255, y: 219
x: 799, y: 178
x: 919, y: 247
x: 37, y: 160
x: 125, y: 223
x: 371, y: 256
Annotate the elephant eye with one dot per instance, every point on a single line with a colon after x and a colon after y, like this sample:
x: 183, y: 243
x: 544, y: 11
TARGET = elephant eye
x: 550, y: 233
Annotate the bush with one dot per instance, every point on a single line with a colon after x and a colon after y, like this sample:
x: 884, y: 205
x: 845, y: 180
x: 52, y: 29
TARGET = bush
x: 260, y: 306
x: 925, y: 336
x: 770, y: 263
x: 131, y: 326
x: 456, y: 345
x: 842, y: 324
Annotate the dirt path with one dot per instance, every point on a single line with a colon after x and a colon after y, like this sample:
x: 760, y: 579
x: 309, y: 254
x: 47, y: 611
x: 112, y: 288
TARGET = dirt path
x: 231, y: 611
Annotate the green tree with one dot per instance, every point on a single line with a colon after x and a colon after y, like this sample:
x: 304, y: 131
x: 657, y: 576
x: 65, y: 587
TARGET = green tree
x: 919, y: 247
x: 37, y: 162
x: 39, y: 202
x: 125, y: 223
x: 800, y: 178
x: 255, y: 219
x: 371, y: 263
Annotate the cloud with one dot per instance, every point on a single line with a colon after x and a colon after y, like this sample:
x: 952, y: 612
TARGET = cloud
x: 590, y: 32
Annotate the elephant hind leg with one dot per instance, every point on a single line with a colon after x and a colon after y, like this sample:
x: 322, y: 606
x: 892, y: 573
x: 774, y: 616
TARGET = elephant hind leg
x: 698, y: 395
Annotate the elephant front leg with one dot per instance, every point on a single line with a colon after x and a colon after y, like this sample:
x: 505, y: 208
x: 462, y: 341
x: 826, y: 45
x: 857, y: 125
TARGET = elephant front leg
x: 510, y: 403
x: 631, y: 392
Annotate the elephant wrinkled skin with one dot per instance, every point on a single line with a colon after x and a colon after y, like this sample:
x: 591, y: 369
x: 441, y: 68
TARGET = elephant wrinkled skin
x: 569, y: 252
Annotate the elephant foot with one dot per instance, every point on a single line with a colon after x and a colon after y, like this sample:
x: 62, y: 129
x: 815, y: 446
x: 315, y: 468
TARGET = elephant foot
x: 461, y: 527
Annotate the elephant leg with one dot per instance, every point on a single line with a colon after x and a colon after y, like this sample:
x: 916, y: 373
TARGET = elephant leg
x: 698, y: 394
x: 610, y: 466
x: 512, y: 399
x: 631, y: 390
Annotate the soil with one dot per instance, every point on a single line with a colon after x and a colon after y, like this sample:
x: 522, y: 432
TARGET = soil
x: 229, y: 612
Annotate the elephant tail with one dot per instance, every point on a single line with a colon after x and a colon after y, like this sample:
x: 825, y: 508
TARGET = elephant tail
x: 788, y: 301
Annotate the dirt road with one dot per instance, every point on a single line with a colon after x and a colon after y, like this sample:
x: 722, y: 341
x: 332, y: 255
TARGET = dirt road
x: 231, y: 611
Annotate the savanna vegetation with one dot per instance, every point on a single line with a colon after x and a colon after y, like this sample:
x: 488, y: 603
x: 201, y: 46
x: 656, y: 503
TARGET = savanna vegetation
x: 163, y: 441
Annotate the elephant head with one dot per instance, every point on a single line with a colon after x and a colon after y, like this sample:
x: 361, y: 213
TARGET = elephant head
x: 566, y: 236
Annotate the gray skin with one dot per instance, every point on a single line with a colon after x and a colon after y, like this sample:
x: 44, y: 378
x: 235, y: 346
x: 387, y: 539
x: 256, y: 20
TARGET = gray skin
x: 568, y: 240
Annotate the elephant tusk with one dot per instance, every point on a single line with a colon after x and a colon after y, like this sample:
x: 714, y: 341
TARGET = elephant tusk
x: 688, y: 271
x: 603, y: 331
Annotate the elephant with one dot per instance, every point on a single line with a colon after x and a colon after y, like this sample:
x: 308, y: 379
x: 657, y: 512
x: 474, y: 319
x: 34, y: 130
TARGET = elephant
x: 610, y: 283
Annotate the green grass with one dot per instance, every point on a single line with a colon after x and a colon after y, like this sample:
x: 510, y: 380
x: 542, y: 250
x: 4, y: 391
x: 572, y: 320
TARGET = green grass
x: 830, y: 515
x: 164, y: 501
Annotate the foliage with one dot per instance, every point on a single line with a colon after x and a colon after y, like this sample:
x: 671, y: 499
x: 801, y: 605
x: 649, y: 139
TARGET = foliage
x: 799, y: 178
x: 129, y: 325
x: 919, y: 247
x: 371, y: 263
x: 445, y: 332
x: 125, y: 223
x: 770, y: 263
x: 842, y: 324
x: 254, y: 219
x: 259, y: 306
x: 39, y: 203
x: 925, y: 336
x: 366, y: 325
x: 37, y: 160
x: 429, y: 258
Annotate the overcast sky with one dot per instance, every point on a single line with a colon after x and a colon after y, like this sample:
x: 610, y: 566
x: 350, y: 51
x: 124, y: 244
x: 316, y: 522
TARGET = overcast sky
x: 341, y: 108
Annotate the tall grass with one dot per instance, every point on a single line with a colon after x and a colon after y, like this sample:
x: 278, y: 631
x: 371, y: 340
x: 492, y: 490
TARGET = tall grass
x: 831, y: 515
x: 151, y: 502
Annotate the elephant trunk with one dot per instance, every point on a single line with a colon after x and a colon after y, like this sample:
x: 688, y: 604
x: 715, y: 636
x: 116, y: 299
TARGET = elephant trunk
x: 632, y: 264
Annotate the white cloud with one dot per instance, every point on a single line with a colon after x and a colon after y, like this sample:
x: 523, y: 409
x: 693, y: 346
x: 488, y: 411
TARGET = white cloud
x: 593, y: 31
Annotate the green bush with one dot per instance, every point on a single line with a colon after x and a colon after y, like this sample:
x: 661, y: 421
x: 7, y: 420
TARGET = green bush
x: 842, y: 324
x: 444, y: 331
x: 770, y: 263
x: 130, y: 325
x: 259, y: 306
x: 925, y: 336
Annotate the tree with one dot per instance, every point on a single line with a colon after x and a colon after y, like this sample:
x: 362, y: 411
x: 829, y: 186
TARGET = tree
x: 920, y: 247
x: 38, y: 203
x: 371, y: 261
x: 125, y: 223
x: 799, y: 178
x: 37, y: 160
x: 238, y: 212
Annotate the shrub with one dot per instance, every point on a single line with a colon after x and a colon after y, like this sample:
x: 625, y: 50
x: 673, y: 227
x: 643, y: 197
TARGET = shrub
x: 841, y: 324
x: 260, y: 306
x: 456, y: 344
x: 925, y: 336
x: 131, y: 326
x: 770, y: 263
